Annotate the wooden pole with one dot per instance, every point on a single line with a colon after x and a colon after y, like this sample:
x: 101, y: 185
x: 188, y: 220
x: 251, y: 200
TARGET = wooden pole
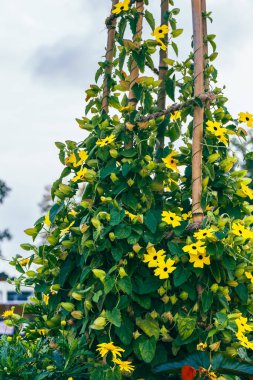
x: 205, y: 48
x: 163, y: 67
x: 109, y: 58
x: 197, y: 137
x: 134, y: 68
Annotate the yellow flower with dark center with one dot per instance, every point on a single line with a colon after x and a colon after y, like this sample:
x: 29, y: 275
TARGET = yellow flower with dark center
x: 246, y: 117
x: 153, y: 257
x: 222, y: 138
x: 160, y: 31
x: 42, y: 332
x: 164, y: 268
x: 213, y: 127
x: 204, y: 234
x: 8, y: 313
x: 187, y: 215
x: 249, y: 276
x: 239, y: 230
x: 66, y: 230
x: 242, y: 325
x: 45, y: 298
x: 106, y: 141
x: 175, y: 116
x: 121, y: 7
x: 195, y: 248
x: 247, y: 191
x: 199, y: 259
x: 124, y: 366
x: 104, y: 348
x: 80, y: 175
x: 171, y: 162
x: 24, y: 262
x: 171, y: 218
x: 244, y: 341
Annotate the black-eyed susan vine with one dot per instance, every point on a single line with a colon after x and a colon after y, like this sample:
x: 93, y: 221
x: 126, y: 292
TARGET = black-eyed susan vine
x: 125, y: 269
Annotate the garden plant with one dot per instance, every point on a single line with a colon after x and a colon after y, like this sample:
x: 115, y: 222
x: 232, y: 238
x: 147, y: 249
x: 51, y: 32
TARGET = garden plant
x: 150, y: 275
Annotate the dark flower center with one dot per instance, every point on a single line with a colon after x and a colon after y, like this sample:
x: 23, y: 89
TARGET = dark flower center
x: 160, y: 31
x: 240, y: 231
x: 165, y: 269
x: 194, y: 247
x: 201, y: 257
x: 215, y: 128
x: 155, y: 257
x: 247, y: 118
x: 171, y: 218
x: 172, y: 161
x: 204, y: 234
x: 122, y: 7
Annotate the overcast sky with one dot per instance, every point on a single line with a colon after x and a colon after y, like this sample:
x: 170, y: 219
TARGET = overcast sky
x: 48, y: 55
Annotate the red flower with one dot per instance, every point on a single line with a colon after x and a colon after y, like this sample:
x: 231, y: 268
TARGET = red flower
x: 188, y: 373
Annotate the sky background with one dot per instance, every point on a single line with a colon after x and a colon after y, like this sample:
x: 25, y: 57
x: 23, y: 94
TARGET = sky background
x: 49, y: 51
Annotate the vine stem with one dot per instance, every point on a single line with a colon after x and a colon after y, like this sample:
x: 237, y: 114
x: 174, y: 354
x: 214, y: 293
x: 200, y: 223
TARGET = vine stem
x: 109, y: 58
x: 197, y: 135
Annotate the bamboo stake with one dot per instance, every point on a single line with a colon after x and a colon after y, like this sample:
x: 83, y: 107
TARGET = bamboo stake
x: 163, y: 67
x: 204, y: 27
x: 132, y: 101
x: 109, y: 57
x: 197, y: 137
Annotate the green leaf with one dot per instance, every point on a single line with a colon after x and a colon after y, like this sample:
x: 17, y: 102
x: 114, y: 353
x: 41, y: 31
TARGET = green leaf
x: 125, y: 331
x: 150, y: 19
x: 117, y: 252
x: 108, y: 284
x: 125, y: 284
x: 181, y: 275
x: 207, y: 300
x: 177, y: 32
x: 114, y: 317
x: 242, y: 292
x: 147, y: 349
x: 149, y: 326
x: 186, y: 326
x: 170, y: 85
x: 123, y: 231
x: 150, y: 221
x: 54, y: 211
x: 116, y: 216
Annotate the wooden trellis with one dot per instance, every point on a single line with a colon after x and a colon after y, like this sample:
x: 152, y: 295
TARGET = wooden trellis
x: 201, y: 87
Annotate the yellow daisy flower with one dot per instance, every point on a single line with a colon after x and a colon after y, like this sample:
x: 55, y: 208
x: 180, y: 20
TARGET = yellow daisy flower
x: 171, y: 218
x: 8, y: 313
x: 104, y: 348
x: 244, y: 341
x: 164, y: 268
x: 239, y: 230
x: 199, y: 259
x: 161, y: 44
x: 171, y: 162
x: 242, y: 325
x: 73, y: 213
x: 160, y: 31
x: 175, y: 116
x: 187, y: 215
x: 195, y: 248
x: 106, y: 141
x: 152, y: 257
x: 245, y: 117
x: 121, y: 6
x: 203, y: 234
x: 45, y: 298
x: 47, y: 220
x: 83, y: 157
x: 201, y: 346
x: 124, y: 366
x: 222, y: 138
x: 213, y: 127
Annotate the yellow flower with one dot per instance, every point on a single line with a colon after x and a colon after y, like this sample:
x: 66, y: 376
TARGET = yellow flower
x: 130, y: 215
x: 222, y: 138
x: 152, y: 257
x: 247, y: 191
x: 164, y: 268
x: 47, y: 220
x: 106, y: 141
x: 161, y: 44
x: 70, y: 378
x: 201, y: 346
x: 73, y: 213
x: 239, y: 230
x: 244, y: 341
x: 213, y: 127
x: 80, y: 175
x: 171, y: 218
x: 249, y: 276
x: 73, y: 160
x: 199, y: 259
x: 175, y: 116
x: 195, y: 248
x: 212, y: 376
x: 124, y: 366
x: 45, y: 298
x: 187, y: 215
x: 42, y: 332
x: 171, y: 162
x: 104, y: 348
x: 8, y: 313
x: 242, y: 325
x: 203, y: 234
x: 24, y: 262
x: 245, y: 117
x: 120, y: 7
x: 160, y: 31
x: 66, y: 230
